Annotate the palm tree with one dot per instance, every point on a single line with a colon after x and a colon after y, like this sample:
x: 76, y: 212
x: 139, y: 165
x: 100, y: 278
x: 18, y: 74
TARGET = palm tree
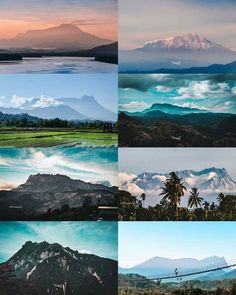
x: 220, y: 198
x: 206, y: 206
x: 194, y: 200
x: 143, y: 198
x: 172, y: 191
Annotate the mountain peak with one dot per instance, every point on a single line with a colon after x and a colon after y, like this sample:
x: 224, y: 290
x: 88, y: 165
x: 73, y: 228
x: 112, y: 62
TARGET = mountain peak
x: 188, y: 41
x: 50, y: 264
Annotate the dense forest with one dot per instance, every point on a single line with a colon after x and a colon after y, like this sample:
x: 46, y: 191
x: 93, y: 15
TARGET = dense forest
x: 132, y: 208
x: 26, y: 121
x: 169, y: 132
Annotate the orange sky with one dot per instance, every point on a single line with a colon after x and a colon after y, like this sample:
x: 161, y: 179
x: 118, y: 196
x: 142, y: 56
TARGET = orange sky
x: 101, y: 24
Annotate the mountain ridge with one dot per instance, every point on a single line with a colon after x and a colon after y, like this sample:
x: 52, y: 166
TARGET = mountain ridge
x: 161, y: 266
x: 48, y: 265
x: 61, y: 37
x: 47, y: 191
x: 81, y: 109
x: 209, y: 179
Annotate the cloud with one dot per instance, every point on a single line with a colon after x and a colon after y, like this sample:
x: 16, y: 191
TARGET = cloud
x: 203, y: 89
x: 43, y: 102
x: 134, y: 106
x: 193, y: 105
x: 4, y: 162
x: 233, y: 90
x: 87, y: 22
x: 140, y: 82
x: 19, y: 101
x: 6, y: 186
x: 125, y: 183
x: 84, y: 169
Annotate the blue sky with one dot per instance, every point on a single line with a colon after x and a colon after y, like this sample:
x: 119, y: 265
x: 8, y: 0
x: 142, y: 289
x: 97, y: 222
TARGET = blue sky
x: 87, y: 164
x: 139, y: 241
x: 165, y: 160
x: 102, y: 86
x: 216, y: 93
x: 99, y: 238
x: 167, y: 18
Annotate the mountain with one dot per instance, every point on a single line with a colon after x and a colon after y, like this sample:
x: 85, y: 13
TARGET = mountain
x: 159, y: 266
x: 50, y: 265
x: 62, y: 37
x: 210, y: 179
x: 186, y: 42
x: 83, y: 108
x: 105, y: 50
x: 182, y: 115
x: 89, y: 107
x: 173, y: 109
x: 46, y: 191
x: 62, y: 112
x: 215, y: 68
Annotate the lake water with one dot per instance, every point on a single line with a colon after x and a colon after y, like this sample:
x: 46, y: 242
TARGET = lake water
x: 57, y: 65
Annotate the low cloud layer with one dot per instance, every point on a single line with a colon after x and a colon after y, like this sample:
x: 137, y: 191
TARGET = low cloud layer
x: 214, y: 92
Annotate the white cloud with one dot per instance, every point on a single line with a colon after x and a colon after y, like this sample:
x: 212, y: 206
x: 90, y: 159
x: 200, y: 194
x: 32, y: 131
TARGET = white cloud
x: 4, y: 162
x: 233, y: 90
x: 203, y: 89
x: 43, y: 102
x: 193, y: 105
x: 125, y: 183
x: 6, y: 186
x: 57, y: 163
x: 134, y: 106
x: 163, y: 88
x: 19, y: 101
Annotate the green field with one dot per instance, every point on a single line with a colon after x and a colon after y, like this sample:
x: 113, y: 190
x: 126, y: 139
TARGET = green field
x: 51, y: 137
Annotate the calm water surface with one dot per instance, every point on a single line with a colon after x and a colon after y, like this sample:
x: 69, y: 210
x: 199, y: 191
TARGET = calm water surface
x: 57, y: 65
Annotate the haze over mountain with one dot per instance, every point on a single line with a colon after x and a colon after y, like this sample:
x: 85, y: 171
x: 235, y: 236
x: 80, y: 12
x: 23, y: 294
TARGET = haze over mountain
x: 43, y: 191
x: 84, y: 108
x: 159, y: 266
x: 179, y: 52
x: 50, y: 265
x: 63, y: 37
x: 215, y: 68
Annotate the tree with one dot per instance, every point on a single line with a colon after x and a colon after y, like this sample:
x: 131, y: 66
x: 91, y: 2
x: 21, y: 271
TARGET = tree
x: 143, y: 198
x: 172, y: 191
x: 206, y: 207
x: 220, y: 198
x: 194, y: 200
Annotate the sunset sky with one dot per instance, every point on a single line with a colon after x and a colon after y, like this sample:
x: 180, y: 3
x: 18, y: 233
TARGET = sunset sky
x: 92, y: 16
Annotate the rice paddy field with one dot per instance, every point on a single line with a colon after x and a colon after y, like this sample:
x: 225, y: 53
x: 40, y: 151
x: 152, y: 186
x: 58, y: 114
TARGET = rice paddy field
x: 51, y: 137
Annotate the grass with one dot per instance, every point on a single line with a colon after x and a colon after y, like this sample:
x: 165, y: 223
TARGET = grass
x: 51, y: 137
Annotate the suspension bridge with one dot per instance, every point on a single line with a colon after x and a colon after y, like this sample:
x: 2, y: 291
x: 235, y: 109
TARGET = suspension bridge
x: 179, y: 276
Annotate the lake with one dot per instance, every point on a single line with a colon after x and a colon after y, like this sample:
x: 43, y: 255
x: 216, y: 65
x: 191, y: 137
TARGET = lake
x: 56, y: 65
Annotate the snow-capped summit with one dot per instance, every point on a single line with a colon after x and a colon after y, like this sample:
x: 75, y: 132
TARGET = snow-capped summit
x: 209, y: 179
x: 190, y: 41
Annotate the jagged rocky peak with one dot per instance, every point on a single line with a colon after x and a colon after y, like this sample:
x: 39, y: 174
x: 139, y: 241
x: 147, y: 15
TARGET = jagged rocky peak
x: 49, y: 264
x: 190, y: 41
